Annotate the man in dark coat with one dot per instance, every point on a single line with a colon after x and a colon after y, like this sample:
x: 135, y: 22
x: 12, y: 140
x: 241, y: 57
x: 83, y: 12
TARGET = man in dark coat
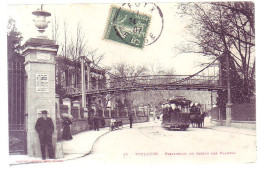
x: 95, y: 122
x: 44, y: 126
x: 131, y: 120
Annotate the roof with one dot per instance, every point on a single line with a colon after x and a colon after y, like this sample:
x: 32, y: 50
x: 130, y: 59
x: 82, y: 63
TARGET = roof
x: 180, y: 101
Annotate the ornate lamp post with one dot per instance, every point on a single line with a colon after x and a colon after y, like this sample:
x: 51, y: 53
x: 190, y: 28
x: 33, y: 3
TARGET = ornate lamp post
x: 40, y: 21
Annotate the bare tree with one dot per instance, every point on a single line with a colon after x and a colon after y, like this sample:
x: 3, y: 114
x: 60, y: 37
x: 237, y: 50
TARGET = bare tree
x: 125, y: 75
x: 55, y: 29
x: 94, y: 57
x: 71, y: 47
x: 77, y: 43
x: 65, y: 39
x: 224, y: 28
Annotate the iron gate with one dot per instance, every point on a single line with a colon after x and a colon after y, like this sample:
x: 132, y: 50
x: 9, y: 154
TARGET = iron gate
x: 16, y: 107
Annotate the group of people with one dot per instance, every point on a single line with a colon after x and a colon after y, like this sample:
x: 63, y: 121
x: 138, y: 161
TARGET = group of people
x: 45, y: 128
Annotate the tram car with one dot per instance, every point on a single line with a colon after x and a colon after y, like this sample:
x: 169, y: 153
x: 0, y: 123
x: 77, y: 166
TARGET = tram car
x: 176, y: 114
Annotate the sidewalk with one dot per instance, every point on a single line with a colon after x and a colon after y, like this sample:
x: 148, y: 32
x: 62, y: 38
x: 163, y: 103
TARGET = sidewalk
x: 214, y: 126
x: 79, y: 146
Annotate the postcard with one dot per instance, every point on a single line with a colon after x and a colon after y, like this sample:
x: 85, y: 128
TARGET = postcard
x: 124, y: 84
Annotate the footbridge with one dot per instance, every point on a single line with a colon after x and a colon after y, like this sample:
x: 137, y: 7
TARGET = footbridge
x: 115, y: 84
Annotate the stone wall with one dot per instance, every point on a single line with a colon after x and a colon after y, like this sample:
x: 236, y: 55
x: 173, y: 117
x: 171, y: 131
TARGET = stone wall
x: 82, y: 120
x: 244, y: 112
x: 78, y: 125
x: 237, y: 124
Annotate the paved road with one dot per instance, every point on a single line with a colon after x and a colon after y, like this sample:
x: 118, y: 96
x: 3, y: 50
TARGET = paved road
x: 148, y: 143
x: 152, y: 142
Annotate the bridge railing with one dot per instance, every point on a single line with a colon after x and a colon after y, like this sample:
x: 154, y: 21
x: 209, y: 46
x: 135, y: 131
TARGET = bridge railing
x: 155, y: 80
x: 149, y: 81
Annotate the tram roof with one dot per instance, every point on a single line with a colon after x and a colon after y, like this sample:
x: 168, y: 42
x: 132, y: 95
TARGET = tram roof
x: 180, y: 101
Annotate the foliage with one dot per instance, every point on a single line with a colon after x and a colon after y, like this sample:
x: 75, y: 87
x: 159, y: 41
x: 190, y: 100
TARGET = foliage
x: 141, y: 74
x: 225, y: 30
x: 14, y: 38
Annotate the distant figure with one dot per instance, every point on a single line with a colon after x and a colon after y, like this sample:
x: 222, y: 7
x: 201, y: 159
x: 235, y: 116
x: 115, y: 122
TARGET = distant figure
x: 95, y: 123
x: 193, y: 109
x: 176, y: 110
x: 44, y: 126
x: 161, y: 117
x: 112, y: 123
x: 170, y: 110
x: 66, y: 129
x: 131, y: 120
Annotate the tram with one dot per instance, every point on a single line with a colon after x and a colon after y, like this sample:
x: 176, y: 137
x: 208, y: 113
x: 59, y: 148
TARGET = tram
x: 176, y: 114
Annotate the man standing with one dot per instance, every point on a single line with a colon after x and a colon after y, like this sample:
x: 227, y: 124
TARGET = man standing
x: 44, y: 126
x: 95, y: 122
x: 131, y: 120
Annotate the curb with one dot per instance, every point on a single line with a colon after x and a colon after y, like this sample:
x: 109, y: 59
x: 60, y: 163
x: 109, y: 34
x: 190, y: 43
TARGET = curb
x: 92, y: 148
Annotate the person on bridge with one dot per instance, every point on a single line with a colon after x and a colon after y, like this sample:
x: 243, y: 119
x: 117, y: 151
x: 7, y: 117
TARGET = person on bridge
x: 45, y: 127
x: 130, y: 120
x: 95, y: 123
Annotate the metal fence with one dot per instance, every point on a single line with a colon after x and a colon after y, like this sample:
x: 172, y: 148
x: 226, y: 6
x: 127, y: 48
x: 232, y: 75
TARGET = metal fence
x: 16, y: 107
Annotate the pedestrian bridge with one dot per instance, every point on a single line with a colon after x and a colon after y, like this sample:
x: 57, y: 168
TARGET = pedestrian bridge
x: 116, y: 84
x: 153, y: 82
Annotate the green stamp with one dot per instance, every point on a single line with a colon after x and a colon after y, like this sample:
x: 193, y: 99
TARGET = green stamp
x: 127, y: 27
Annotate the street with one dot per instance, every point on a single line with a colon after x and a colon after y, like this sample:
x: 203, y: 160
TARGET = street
x: 149, y: 143
x: 152, y: 143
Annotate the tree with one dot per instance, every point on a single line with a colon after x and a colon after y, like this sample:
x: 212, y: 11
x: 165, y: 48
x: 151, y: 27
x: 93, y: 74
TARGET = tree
x: 71, y: 47
x: 225, y: 29
x: 55, y: 29
x: 124, y: 75
x: 154, y: 98
x: 14, y: 38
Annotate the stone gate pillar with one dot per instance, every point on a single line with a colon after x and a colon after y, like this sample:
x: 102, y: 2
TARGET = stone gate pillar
x: 40, y: 90
x: 39, y: 63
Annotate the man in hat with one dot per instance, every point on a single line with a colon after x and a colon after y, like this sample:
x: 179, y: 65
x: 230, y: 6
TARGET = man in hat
x: 44, y: 126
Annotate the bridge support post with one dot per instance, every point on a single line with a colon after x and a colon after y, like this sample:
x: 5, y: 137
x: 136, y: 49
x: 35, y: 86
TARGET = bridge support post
x: 109, y: 111
x: 135, y: 110
x: 83, y: 84
x: 228, y: 105
x: 228, y: 114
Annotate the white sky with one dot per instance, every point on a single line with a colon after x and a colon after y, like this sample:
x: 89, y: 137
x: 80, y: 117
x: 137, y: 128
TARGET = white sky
x: 94, y: 17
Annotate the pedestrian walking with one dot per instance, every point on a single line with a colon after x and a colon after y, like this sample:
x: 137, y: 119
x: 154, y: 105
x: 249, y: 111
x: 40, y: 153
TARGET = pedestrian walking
x: 95, y: 122
x: 45, y: 127
x: 66, y: 128
x: 130, y: 120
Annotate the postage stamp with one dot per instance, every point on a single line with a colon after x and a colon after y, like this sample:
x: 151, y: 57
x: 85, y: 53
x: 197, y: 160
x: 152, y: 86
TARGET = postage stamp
x: 156, y: 25
x: 127, y: 27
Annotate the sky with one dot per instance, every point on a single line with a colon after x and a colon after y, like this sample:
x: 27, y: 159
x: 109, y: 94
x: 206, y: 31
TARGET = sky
x: 93, y: 18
